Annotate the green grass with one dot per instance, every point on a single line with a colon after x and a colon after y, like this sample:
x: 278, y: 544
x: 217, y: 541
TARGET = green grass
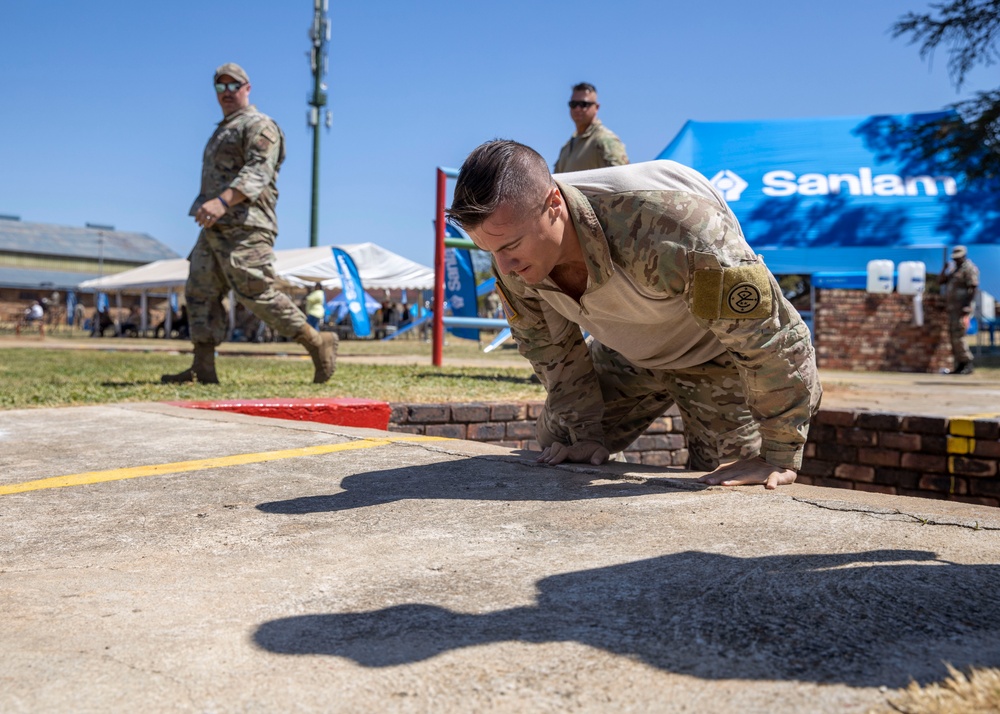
x: 39, y: 377
x: 68, y: 370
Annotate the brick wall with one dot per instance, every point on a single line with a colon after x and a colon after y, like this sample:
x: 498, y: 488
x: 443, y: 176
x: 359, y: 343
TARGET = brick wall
x: 932, y: 457
x: 861, y: 331
x: 513, y: 426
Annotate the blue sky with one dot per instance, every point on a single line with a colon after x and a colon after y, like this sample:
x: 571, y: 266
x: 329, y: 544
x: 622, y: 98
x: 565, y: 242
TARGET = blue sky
x: 106, y: 106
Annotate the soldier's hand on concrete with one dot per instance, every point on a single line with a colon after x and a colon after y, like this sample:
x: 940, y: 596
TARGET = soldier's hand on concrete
x: 747, y: 472
x: 582, y: 452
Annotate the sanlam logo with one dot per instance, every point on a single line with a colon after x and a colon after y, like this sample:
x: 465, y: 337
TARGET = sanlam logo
x: 865, y: 182
x: 730, y: 184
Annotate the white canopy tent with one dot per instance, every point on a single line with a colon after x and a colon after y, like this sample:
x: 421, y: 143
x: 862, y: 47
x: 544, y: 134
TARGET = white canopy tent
x: 379, y: 269
x: 297, y: 267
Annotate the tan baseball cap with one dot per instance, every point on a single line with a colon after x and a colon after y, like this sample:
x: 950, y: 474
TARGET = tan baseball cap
x: 959, y: 251
x: 234, y: 71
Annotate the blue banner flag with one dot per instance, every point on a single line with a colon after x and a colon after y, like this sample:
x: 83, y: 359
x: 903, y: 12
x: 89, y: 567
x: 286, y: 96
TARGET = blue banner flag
x: 354, y: 292
x: 460, y: 289
x: 70, y: 307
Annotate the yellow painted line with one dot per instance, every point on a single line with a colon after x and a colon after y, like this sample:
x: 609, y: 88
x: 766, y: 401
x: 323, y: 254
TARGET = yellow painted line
x: 177, y: 467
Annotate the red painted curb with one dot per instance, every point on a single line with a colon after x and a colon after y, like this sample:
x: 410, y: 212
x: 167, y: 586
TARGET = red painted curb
x: 345, y: 411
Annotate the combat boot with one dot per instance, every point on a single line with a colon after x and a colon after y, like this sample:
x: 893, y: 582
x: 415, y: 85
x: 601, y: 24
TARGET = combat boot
x: 202, y: 369
x: 322, y: 347
x: 964, y: 368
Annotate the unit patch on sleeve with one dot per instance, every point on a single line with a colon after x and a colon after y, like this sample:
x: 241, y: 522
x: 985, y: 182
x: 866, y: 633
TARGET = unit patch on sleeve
x: 509, y: 311
x: 737, y: 293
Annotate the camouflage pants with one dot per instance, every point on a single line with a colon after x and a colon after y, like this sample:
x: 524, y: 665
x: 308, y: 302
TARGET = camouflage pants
x: 956, y: 332
x: 717, y: 421
x: 241, y: 259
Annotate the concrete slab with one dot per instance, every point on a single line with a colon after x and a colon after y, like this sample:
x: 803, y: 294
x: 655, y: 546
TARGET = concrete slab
x: 209, y: 561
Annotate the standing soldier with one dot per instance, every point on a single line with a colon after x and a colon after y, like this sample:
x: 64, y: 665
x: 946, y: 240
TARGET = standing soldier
x: 593, y: 146
x: 960, y: 284
x: 649, y: 260
x: 235, y: 249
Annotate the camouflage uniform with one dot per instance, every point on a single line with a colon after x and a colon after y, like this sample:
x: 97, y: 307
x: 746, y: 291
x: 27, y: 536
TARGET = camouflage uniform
x: 960, y: 294
x: 245, y: 154
x: 595, y: 148
x: 681, y: 311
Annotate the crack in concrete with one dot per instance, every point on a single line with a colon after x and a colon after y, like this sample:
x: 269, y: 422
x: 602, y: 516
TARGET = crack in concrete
x: 896, y: 514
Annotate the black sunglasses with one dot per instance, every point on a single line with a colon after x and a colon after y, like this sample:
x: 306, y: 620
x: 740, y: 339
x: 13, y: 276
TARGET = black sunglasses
x: 573, y: 104
x: 221, y: 87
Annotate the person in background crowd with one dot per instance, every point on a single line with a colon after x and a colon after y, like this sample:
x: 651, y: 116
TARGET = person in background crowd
x: 35, y: 312
x: 79, y: 316
x: 316, y: 306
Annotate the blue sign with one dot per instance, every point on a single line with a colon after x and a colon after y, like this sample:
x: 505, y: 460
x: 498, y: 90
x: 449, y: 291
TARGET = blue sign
x: 460, y: 289
x: 354, y: 292
x: 833, y: 193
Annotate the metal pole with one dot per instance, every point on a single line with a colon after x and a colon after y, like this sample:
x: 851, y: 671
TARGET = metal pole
x: 319, y: 34
x: 438, y: 331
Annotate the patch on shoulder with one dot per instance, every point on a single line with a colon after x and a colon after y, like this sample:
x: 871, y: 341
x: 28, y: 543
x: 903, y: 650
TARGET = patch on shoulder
x: 738, y: 293
x: 509, y: 311
x: 743, y: 298
x: 269, y: 134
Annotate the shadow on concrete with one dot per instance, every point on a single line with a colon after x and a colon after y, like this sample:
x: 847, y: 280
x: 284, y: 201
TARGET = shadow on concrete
x: 482, y: 479
x: 481, y: 377
x: 863, y: 619
x: 131, y: 383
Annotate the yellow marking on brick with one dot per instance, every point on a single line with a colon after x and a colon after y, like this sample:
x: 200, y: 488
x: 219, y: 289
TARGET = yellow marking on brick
x: 959, y: 445
x: 91, y: 477
x: 961, y: 426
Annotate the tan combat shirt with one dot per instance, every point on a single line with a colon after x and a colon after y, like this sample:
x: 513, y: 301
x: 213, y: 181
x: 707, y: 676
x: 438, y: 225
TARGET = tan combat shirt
x: 596, y: 148
x: 245, y: 153
x: 961, y: 286
x: 672, y: 283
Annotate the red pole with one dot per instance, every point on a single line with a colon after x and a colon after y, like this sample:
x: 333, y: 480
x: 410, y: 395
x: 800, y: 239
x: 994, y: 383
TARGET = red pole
x: 438, y: 331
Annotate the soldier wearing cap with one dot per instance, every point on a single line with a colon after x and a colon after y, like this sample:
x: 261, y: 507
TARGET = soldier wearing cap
x: 960, y: 280
x: 649, y: 260
x: 593, y: 146
x: 235, y: 249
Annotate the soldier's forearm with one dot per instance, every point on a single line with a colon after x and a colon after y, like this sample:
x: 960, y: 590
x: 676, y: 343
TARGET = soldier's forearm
x: 232, y: 196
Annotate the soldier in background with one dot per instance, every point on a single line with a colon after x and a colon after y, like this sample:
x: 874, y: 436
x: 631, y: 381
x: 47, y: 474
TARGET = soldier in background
x: 235, y: 249
x: 651, y: 262
x: 593, y: 146
x: 961, y: 281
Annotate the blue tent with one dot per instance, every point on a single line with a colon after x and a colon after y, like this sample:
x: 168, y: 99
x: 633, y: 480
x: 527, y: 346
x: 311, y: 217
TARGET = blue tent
x: 831, y: 194
x: 336, y: 307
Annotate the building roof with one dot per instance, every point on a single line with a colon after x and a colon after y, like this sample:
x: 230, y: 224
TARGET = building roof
x: 30, y: 279
x: 73, y: 242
